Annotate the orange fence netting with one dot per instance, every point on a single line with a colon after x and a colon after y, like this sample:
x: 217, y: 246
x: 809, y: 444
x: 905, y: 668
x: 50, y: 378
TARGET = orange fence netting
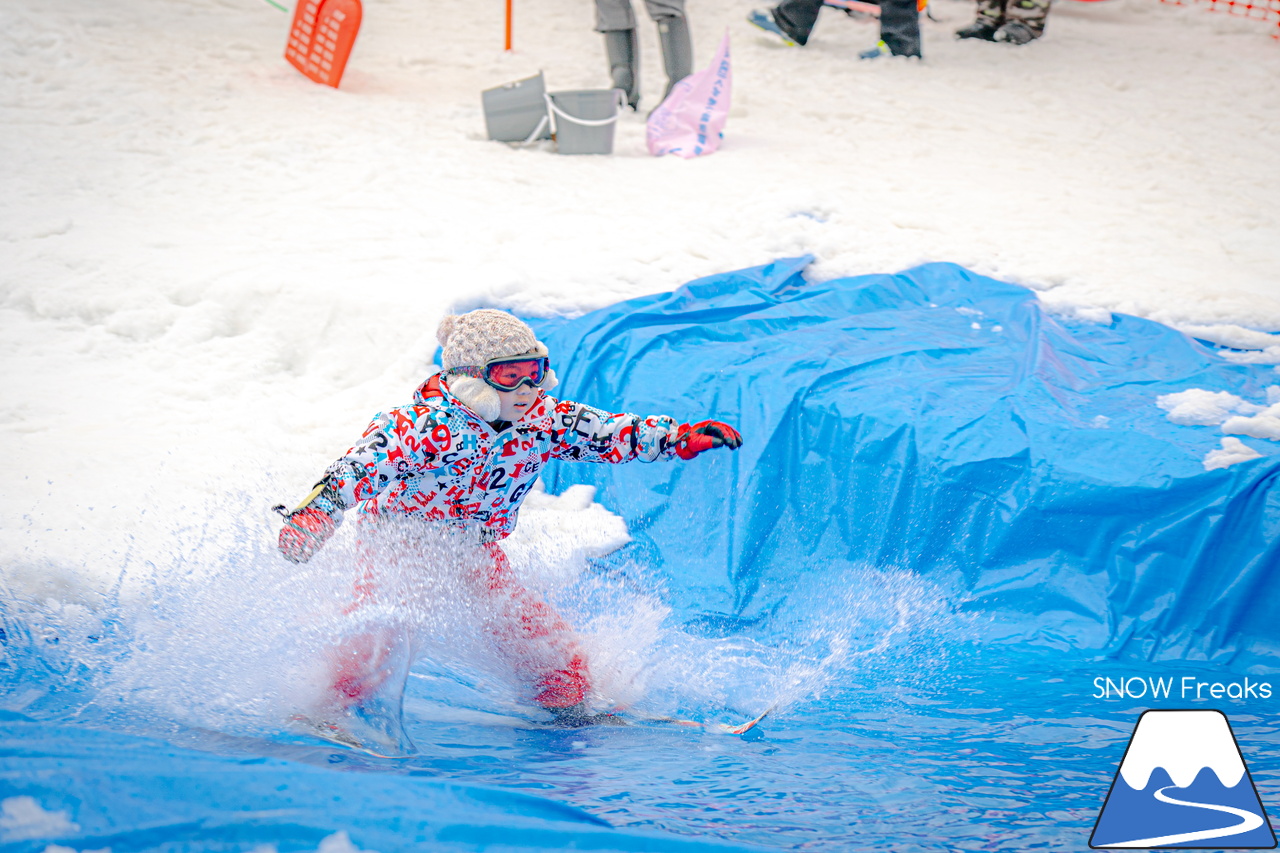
x: 1267, y: 11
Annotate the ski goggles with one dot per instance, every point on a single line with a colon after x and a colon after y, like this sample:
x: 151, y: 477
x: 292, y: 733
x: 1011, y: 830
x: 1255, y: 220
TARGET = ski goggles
x: 508, y: 374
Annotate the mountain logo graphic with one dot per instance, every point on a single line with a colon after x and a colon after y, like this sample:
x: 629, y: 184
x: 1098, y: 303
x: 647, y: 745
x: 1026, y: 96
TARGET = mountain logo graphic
x: 1183, y: 783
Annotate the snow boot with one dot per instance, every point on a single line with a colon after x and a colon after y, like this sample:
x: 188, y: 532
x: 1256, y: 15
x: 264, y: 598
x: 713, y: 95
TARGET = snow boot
x: 900, y: 27
x: 577, y: 716
x: 677, y: 50
x: 764, y: 19
x: 881, y: 49
x: 1024, y: 21
x: 979, y: 29
x: 624, y: 63
x: 1014, y: 32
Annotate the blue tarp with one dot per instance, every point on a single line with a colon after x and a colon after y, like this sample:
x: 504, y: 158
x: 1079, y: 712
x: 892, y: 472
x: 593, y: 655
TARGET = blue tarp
x: 93, y: 789
x: 940, y: 421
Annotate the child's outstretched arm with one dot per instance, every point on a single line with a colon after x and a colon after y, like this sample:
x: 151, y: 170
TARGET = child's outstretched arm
x: 587, y: 434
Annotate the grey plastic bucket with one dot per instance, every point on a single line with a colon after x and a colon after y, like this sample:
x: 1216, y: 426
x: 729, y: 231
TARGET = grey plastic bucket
x: 517, y: 112
x: 584, y: 119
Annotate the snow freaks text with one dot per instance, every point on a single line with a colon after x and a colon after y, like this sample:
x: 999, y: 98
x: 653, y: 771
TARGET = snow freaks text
x: 1187, y: 688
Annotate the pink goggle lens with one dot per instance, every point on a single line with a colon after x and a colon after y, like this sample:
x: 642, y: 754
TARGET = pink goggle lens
x: 510, y: 375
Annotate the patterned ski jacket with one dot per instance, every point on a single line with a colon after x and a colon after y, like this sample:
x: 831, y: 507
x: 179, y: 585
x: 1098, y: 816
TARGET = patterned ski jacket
x: 438, y: 461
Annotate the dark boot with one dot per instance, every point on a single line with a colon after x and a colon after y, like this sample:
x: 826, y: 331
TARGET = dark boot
x: 900, y: 27
x: 576, y: 716
x: 796, y: 18
x: 990, y: 16
x: 1014, y: 32
x: 621, y: 47
x: 1029, y: 15
x: 677, y: 50
x: 979, y: 29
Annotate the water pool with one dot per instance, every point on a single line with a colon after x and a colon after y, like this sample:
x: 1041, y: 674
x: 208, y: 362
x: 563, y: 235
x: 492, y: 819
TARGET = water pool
x: 999, y: 749
x: 958, y: 528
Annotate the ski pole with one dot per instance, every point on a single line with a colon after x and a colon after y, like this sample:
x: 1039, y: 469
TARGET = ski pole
x: 280, y: 508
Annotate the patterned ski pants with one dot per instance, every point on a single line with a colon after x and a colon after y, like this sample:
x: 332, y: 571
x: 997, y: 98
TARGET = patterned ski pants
x: 1033, y: 13
x: 530, y: 636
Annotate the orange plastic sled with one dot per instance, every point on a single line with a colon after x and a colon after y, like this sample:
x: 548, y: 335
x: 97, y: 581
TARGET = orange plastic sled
x: 321, y: 37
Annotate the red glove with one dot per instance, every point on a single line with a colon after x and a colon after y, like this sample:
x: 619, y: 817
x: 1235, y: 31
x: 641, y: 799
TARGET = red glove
x: 304, y: 531
x: 702, y: 436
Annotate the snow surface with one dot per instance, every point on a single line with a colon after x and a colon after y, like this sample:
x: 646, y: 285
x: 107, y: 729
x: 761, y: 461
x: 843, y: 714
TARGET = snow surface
x: 1265, y: 424
x: 24, y: 818
x: 1196, y: 406
x: 1233, y: 451
x: 213, y: 271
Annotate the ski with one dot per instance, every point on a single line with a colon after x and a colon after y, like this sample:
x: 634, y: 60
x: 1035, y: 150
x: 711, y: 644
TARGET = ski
x: 719, y: 728
x: 871, y: 9
x: 336, y: 735
x: 858, y: 8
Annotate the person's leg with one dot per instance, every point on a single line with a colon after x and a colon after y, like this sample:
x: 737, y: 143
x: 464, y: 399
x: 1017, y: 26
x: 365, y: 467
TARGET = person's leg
x: 532, y: 636
x: 358, y: 662
x: 797, y: 18
x: 617, y: 22
x: 989, y: 17
x: 622, y: 49
x: 1024, y: 20
x: 900, y: 27
x: 673, y: 36
x: 360, y: 665
x: 614, y: 15
x: 364, y: 664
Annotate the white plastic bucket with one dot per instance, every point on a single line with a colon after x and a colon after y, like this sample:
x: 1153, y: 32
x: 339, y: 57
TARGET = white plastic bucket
x: 517, y: 112
x: 583, y: 119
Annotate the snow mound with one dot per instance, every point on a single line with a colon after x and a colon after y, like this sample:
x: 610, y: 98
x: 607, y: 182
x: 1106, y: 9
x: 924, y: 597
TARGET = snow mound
x: 1265, y: 424
x: 1198, y: 407
x: 1233, y: 451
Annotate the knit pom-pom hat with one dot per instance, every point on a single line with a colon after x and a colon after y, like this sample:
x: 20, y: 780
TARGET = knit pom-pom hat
x: 471, y: 340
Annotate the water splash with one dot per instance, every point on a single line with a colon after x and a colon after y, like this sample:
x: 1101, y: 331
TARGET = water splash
x: 834, y: 625
x: 222, y: 634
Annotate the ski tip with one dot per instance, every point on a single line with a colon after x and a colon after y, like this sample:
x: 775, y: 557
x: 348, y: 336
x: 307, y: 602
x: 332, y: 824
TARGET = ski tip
x: 750, y: 724
x: 720, y: 728
x: 338, y: 736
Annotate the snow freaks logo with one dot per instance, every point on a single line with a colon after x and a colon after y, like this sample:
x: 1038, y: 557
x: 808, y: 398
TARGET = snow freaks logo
x: 1185, y: 688
x: 1183, y: 783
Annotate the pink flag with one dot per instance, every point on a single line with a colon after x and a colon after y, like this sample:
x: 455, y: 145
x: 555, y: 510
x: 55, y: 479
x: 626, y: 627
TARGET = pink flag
x: 690, y: 121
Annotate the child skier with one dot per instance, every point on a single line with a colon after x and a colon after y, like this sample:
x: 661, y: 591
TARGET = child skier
x: 462, y: 457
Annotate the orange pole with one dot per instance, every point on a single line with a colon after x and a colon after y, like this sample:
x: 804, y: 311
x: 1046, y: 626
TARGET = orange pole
x: 508, y: 26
